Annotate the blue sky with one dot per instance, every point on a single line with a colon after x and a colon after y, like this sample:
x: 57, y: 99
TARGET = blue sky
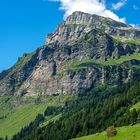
x: 24, y: 24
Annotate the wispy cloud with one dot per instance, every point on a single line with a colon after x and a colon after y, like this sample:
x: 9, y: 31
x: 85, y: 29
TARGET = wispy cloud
x: 88, y: 6
x: 119, y: 5
x: 135, y: 25
x: 135, y: 7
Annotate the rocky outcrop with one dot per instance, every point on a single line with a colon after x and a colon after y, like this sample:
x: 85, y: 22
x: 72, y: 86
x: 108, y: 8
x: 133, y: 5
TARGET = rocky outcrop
x: 76, y: 82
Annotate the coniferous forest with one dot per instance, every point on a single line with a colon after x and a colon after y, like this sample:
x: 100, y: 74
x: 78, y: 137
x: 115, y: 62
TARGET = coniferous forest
x: 90, y: 113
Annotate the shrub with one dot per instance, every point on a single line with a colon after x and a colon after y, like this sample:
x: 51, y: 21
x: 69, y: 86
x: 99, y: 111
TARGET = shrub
x: 111, y: 131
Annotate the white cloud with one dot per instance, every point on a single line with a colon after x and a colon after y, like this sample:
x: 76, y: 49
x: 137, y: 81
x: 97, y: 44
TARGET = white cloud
x: 135, y: 25
x: 135, y: 7
x: 88, y: 6
x: 119, y: 5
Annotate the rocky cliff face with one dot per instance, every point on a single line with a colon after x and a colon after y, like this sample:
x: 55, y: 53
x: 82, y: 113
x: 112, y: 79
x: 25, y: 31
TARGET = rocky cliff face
x: 84, y: 52
x: 80, y: 23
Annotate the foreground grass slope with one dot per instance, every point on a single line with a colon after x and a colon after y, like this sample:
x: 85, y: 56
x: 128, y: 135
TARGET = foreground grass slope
x: 12, y: 120
x: 19, y: 118
x: 124, y: 133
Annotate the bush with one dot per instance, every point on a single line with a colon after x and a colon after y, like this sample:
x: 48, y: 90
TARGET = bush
x: 111, y: 131
x: 51, y: 110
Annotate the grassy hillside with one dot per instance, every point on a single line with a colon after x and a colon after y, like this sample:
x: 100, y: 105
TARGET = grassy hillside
x: 12, y: 119
x: 124, y: 133
x: 136, y: 106
x: 19, y: 118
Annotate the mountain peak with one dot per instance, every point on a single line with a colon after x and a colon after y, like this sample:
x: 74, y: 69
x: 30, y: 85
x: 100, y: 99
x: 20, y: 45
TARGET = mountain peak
x: 79, y: 23
x: 79, y: 17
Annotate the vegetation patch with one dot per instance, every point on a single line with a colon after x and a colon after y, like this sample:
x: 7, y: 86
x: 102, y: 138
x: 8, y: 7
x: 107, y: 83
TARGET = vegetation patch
x: 19, y: 118
x: 79, y: 65
x: 136, y: 106
x: 111, y: 131
x: 50, y: 119
x: 22, y: 61
x: 124, y: 133
x: 127, y: 40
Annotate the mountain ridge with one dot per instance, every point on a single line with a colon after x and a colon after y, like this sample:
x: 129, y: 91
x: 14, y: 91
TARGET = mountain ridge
x: 84, y: 22
x: 50, y: 69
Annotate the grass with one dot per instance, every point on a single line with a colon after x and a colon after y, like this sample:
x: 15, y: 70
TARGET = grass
x: 13, y: 119
x: 22, y: 61
x: 78, y: 65
x: 83, y: 64
x: 127, y: 40
x: 136, y: 106
x: 122, y: 59
x: 50, y: 119
x: 19, y: 118
x: 4, y: 106
x: 124, y: 133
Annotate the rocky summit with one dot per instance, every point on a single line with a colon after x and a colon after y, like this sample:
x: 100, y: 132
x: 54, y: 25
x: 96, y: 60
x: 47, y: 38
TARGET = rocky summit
x: 84, y: 51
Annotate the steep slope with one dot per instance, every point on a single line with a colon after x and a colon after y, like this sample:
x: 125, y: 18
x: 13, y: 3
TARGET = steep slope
x: 17, y: 113
x: 93, y: 42
x: 11, y: 79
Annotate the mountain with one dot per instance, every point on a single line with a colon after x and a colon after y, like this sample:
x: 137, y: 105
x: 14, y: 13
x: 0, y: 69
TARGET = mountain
x: 84, y: 51
x: 85, y: 79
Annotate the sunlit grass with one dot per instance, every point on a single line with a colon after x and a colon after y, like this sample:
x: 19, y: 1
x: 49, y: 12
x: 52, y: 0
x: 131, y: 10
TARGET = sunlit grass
x: 124, y: 133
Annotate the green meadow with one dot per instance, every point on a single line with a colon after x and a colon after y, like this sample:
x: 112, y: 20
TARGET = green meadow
x: 13, y: 119
x: 123, y: 133
x: 19, y: 118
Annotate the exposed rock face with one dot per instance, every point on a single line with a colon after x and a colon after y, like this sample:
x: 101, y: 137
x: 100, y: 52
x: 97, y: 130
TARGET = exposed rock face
x: 83, y: 40
x: 80, y: 23
x: 14, y: 77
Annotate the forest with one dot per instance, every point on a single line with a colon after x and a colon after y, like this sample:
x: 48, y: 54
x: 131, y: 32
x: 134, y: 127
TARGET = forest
x: 90, y: 113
